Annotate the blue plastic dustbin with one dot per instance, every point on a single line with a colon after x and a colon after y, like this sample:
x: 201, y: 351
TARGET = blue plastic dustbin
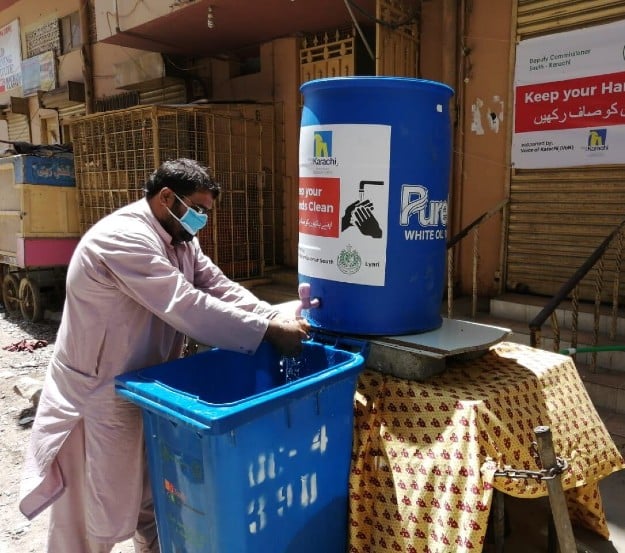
x: 241, y: 461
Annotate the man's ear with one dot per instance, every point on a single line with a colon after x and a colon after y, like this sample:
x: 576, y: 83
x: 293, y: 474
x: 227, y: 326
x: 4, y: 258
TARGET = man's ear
x: 165, y: 194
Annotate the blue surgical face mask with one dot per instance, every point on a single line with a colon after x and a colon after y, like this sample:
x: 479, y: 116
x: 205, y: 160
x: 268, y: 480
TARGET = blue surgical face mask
x: 191, y: 221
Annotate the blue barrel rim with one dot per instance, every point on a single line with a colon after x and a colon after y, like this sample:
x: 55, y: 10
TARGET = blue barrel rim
x: 381, y: 81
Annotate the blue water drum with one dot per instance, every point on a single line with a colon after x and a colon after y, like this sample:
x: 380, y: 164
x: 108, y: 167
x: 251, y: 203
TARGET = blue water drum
x: 374, y: 168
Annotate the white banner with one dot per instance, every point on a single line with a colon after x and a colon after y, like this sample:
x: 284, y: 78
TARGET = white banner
x: 569, y: 99
x: 10, y: 56
x: 343, y: 202
x: 38, y: 73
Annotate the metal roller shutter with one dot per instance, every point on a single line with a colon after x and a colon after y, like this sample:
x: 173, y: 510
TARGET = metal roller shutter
x: 19, y: 127
x: 69, y: 112
x: 543, y: 17
x: 559, y: 216
x: 174, y: 94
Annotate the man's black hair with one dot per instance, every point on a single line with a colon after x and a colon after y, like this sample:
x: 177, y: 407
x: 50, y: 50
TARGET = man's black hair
x: 184, y: 176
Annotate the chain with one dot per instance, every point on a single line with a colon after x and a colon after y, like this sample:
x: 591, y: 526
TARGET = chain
x: 543, y: 474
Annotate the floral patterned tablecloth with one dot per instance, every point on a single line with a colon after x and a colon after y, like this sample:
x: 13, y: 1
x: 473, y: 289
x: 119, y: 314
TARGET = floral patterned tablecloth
x: 425, y: 453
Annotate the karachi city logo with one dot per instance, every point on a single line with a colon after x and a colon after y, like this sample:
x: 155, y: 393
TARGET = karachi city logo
x: 349, y: 261
x: 322, y: 148
x: 597, y: 140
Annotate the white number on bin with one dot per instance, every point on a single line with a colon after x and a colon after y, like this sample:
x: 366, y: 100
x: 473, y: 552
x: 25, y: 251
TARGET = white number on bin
x: 256, y: 508
x: 267, y: 467
x: 320, y: 441
x: 309, y: 489
x: 285, y: 497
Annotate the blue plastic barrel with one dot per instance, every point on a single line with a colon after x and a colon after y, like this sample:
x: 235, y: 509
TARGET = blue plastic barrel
x: 374, y: 167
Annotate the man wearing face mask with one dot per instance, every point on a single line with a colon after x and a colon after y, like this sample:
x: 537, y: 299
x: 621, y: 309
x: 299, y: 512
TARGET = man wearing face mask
x: 137, y: 283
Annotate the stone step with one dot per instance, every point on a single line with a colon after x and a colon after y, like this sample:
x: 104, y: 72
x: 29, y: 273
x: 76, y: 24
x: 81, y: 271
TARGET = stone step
x: 615, y: 424
x: 284, y: 277
x: 607, y: 359
x: 607, y: 391
x: 276, y: 292
x: 605, y: 383
x: 517, y: 310
x: 277, y: 286
x: 522, y: 307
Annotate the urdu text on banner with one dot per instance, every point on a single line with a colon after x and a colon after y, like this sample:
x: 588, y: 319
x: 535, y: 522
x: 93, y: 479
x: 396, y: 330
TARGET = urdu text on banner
x: 569, y: 99
x: 10, y: 56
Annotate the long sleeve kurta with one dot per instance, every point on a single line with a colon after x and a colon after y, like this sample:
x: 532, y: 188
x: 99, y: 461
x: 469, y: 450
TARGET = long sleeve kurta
x: 131, y: 296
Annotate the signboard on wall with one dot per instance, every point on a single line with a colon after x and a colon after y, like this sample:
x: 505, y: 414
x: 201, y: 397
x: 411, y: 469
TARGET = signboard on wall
x: 10, y: 56
x: 38, y: 73
x: 43, y: 38
x: 569, y: 99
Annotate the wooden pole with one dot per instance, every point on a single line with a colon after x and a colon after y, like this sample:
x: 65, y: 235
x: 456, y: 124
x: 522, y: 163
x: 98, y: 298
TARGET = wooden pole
x: 559, y: 509
x: 499, y: 529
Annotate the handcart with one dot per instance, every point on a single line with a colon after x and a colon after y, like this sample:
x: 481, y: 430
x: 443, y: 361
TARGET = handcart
x: 39, y: 230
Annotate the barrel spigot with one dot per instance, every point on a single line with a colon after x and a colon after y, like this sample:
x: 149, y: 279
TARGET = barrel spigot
x: 303, y: 291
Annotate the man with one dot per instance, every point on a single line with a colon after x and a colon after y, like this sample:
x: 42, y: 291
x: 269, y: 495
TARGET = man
x: 137, y: 283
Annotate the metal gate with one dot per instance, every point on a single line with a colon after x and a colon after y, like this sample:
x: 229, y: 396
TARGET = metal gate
x: 328, y: 55
x: 397, y: 37
x: 115, y: 152
x: 559, y: 216
x: 350, y: 51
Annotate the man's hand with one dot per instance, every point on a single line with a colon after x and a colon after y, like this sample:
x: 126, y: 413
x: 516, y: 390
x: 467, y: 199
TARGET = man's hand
x: 287, y: 334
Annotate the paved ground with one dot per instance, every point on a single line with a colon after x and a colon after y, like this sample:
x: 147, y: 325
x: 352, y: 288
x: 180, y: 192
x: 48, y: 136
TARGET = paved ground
x: 17, y: 534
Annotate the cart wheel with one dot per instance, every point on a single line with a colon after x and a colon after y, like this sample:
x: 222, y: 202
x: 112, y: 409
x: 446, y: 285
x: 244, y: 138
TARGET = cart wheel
x: 30, y: 300
x: 10, y: 294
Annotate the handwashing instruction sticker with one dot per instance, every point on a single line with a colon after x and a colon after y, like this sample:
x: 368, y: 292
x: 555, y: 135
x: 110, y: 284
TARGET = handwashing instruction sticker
x: 343, y: 199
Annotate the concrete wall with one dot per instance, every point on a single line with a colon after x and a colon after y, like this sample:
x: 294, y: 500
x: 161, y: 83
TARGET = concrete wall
x: 105, y: 57
x: 481, y: 153
x: 130, y: 15
x: 33, y: 14
x: 277, y: 81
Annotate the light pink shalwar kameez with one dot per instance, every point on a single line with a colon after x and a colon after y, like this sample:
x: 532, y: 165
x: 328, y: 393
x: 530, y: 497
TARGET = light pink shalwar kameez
x: 131, y: 296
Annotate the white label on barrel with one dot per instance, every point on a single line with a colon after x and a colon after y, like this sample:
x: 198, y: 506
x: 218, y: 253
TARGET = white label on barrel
x: 343, y: 202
